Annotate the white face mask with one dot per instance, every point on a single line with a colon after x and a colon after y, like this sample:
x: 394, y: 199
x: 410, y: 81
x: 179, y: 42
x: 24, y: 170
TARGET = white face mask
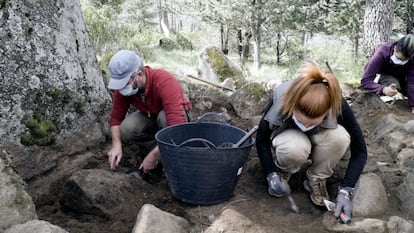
x: 129, y: 90
x: 397, y: 61
x: 301, y: 126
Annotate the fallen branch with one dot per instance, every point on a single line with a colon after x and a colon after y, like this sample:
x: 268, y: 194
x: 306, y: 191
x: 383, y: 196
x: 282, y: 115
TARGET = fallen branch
x: 211, y: 83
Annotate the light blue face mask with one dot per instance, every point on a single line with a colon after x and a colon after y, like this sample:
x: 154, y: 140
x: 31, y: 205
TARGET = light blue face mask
x: 301, y: 126
x: 129, y: 90
x: 397, y: 61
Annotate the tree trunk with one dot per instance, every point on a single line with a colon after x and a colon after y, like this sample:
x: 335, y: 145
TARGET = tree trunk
x: 356, y: 46
x: 278, y: 50
x: 256, y: 51
x: 224, y: 35
x: 239, y: 43
x: 159, y: 6
x: 377, y: 24
x: 410, y: 17
x: 246, y: 46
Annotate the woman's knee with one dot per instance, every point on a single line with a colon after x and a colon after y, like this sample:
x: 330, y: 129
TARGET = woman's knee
x: 291, y: 149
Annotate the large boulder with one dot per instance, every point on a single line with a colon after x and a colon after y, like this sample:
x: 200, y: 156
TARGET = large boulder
x: 52, y: 88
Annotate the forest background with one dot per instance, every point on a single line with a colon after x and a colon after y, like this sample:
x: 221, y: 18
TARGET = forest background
x: 268, y: 39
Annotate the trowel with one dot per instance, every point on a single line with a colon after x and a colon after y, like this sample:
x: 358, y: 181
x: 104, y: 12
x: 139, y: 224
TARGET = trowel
x: 331, y: 208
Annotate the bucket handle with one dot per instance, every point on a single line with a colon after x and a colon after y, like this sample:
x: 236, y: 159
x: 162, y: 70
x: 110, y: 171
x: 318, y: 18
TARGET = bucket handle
x: 206, y: 142
x: 220, y: 117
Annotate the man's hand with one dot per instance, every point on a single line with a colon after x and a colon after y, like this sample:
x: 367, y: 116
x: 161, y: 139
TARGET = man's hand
x: 151, y: 160
x: 344, y: 202
x: 114, y: 156
x: 390, y: 90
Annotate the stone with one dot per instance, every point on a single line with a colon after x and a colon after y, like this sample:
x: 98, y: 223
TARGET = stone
x: 150, y: 219
x: 36, y: 226
x: 370, y: 198
x: 231, y: 221
x: 405, y: 193
x: 16, y: 206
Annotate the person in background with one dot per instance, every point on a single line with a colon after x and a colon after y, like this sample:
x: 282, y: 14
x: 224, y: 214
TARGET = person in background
x: 308, y: 124
x: 158, y: 98
x: 391, y: 70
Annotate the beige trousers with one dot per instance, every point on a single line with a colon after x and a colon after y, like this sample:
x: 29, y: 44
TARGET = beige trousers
x: 325, y: 148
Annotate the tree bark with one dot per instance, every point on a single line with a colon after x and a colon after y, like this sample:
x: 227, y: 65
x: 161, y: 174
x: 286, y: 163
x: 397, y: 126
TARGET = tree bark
x: 377, y: 24
x: 256, y: 50
x: 410, y: 17
x: 246, y: 46
x: 224, y: 34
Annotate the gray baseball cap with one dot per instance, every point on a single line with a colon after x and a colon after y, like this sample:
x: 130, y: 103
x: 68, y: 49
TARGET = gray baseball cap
x: 121, y: 66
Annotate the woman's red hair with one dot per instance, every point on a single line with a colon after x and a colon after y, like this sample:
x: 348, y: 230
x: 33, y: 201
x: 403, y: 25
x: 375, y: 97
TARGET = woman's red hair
x: 314, y: 92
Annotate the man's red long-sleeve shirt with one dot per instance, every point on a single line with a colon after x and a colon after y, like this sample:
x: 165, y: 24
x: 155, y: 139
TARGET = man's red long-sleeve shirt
x: 162, y: 92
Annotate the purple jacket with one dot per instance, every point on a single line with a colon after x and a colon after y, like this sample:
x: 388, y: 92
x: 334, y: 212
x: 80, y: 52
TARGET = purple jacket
x: 380, y: 63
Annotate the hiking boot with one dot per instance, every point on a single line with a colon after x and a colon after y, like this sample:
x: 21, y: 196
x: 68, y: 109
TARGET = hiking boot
x: 284, y: 175
x: 277, y: 185
x: 317, y: 190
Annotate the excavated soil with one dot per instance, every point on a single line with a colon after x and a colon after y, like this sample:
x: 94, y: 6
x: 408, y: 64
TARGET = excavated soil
x: 250, y: 196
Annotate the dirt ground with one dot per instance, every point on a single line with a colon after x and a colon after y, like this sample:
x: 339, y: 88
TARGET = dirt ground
x: 250, y: 195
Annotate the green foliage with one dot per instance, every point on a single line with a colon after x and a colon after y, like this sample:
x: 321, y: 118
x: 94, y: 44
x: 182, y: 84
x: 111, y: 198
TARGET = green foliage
x: 176, y: 41
x: 118, y: 24
x: 404, y: 12
x: 101, y: 24
x: 3, y: 3
x: 345, y: 17
x: 103, y: 65
x: 254, y: 89
x: 176, y: 61
x: 182, y: 41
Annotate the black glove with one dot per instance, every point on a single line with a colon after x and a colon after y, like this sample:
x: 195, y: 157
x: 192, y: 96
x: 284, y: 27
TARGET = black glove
x: 344, y: 204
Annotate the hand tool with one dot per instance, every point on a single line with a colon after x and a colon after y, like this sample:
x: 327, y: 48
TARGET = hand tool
x: 243, y: 139
x: 331, y: 208
x: 293, y: 205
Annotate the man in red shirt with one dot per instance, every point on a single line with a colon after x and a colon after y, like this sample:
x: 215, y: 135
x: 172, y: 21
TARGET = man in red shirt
x: 158, y: 98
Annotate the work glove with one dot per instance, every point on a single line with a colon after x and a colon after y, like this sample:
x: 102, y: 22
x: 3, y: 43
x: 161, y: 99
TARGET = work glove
x: 278, y: 187
x: 390, y: 90
x: 344, y: 202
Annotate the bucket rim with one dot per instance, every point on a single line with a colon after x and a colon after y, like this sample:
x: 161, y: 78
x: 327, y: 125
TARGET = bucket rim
x: 200, y: 123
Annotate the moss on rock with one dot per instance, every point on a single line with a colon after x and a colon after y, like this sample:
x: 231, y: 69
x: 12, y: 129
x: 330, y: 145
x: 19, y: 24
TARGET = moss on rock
x: 222, y: 66
x: 42, y: 132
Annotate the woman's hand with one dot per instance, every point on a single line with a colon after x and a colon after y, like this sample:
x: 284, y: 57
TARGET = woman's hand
x: 390, y: 90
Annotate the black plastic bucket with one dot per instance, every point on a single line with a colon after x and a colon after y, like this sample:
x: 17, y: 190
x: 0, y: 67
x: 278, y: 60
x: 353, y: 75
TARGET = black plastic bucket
x: 198, y: 170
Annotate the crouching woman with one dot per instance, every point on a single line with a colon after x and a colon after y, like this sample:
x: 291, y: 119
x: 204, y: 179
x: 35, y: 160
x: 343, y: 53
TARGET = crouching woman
x: 308, y: 124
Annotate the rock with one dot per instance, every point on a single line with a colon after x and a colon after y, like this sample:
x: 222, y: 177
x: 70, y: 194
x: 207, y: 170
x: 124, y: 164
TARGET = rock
x: 96, y: 192
x: 370, y: 197
x: 390, y: 130
x: 231, y: 221
x: 405, y: 193
x: 365, y: 225
x: 36, y: 226
x: 214, y: 66
x: 409, y: 126
x: 153, y: 220
x: 399, y: 225
x: 53, y: 92
x: 406, y: 159
x: 16, y: 206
